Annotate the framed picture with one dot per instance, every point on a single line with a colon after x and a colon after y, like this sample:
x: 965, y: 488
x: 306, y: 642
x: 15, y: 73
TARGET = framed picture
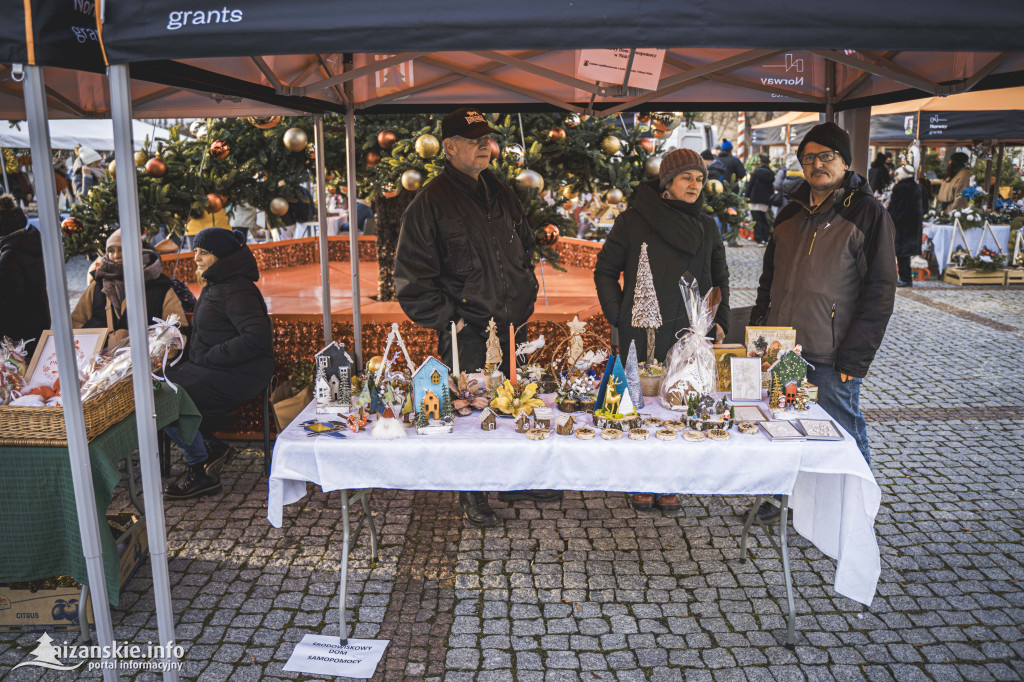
x: 820, y: 429
x: 746, y: 379
x: 42, y: 371
x: 724, y: 351
x: 781, y: 430
x: 767, y: 343
x: 749, y: 413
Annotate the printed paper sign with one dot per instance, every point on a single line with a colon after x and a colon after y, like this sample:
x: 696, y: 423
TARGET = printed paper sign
x: 609, y: 66
x: 322, y: 655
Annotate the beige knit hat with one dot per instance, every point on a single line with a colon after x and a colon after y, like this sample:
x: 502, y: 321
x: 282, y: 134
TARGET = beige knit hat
x: 675, y: 162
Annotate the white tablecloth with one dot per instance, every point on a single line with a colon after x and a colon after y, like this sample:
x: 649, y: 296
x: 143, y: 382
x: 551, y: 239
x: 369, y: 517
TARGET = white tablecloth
x: 832, y: 491
x: 941, y: 235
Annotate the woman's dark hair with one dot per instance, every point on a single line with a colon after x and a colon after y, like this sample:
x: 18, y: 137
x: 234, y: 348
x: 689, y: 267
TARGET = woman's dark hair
x: 957, y: 162
x: 879, y: 160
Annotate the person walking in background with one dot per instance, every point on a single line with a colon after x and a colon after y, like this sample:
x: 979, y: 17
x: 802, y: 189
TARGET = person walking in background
x: 734, y: 168
x: 787, y: 179
x: 759, y: 191
x: 878, y: 174
x: 906, y: 209
x: 958, y: 176
x: 715, y: 168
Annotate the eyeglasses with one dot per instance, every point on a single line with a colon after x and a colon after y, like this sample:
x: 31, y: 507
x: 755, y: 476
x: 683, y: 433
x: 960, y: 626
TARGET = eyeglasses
x: 824, y: 157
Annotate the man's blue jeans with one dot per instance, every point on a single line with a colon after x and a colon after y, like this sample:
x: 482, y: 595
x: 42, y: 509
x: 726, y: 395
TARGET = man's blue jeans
x: 842, y: 402
x: 195, y: 452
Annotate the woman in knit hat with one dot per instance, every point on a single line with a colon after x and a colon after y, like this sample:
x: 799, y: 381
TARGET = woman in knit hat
x: 103, y: 303
x: 230, y: 354
x: 668, y: 216
x: 24, y: 308
x: 958, y: 176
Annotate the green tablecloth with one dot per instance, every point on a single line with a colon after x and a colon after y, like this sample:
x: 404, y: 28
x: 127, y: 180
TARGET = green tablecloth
x: 39, y: 536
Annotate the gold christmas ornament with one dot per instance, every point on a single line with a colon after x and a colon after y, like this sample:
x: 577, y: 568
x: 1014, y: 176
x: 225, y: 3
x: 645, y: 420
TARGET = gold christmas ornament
x: 427, y: 146
x: 278, y: 206
x: 112, y: 167
x: 653, y: 166
x: 264, y: 122
x: 572, y: 120
x: 666, y: 120
x: 71, y: 226
x: 295, y: 139
x: 549, y: 235
x: 569, y: 193
x: 412, y: 180
x: 141, y: 158
x: 531, y: 178
x: 715, y: 186
x: 374, y: 364
x: 611, y: 145
x: 556, y: 134
x: 614, y: 196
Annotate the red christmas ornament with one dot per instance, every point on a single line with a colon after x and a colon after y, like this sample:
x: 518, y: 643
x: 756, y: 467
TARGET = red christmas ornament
x: 386, y: 139
x: 219, y: 149
x: 372, y: 159
x: 215, y: 202
x: 71, y: 226
x: 550, y: 235
x: 495, y: 149
x: 556, y: 134
x: 156, y: 168
x: 648, y: 144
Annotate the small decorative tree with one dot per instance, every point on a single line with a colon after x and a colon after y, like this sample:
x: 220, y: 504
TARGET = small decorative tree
x: 633, y: 377
x: 773, y: 397
x: 646, y: 311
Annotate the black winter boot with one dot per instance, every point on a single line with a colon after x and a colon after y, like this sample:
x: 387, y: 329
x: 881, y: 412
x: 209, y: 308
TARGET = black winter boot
x: 477, y: 510
x: 195, y: 482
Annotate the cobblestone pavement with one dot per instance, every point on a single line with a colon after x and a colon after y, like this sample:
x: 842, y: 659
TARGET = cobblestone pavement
x: 589, y: 589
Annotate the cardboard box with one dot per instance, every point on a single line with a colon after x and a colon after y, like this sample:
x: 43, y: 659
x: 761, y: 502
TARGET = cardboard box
x: 59, y: 608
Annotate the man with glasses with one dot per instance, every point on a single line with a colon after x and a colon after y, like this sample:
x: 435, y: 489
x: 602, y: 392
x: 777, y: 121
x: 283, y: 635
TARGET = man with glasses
x: 464, y: 255
x: 830, y: 272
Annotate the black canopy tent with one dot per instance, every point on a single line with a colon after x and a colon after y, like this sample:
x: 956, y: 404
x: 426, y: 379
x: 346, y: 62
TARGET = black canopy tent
x: 313, y: 57
x: 986, y: 115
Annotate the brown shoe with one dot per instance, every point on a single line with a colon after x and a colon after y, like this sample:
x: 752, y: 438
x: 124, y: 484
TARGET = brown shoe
x: 668, y: 503
x: 642, y: 500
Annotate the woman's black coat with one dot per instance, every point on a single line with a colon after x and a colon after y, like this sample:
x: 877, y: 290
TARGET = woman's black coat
x: 905, y: 207
x: 230, y: 353
x: 24, y: 307
x: 676, y: 243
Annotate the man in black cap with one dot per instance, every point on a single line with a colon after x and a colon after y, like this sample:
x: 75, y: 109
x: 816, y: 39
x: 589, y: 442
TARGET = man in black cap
x: 830, y: 272
x: 464, y: 255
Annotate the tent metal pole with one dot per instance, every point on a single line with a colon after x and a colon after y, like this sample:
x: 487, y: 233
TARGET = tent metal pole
x: 67, y: 367
x: 830, y: 90
x: 321, y: 216
x: 353, y: 237
x: 145, y: 410
x: 3, y: 167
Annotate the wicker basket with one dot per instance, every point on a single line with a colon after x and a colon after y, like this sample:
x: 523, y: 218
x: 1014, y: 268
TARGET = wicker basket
x: 44, y: 426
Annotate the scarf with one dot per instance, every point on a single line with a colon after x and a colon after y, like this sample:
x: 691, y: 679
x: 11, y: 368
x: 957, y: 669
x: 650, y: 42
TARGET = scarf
x: 110, y: 275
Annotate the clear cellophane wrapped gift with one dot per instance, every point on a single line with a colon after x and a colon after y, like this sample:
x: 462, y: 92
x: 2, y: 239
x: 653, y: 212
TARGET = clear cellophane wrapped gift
x: 115, y: 363
x: 690, y: 364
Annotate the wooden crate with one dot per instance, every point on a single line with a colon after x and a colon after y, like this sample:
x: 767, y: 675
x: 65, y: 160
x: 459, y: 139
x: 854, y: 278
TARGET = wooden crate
x: 1014, y: 275
x: 965, y: 276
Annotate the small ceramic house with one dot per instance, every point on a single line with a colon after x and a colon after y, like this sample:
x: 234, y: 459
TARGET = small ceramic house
x: 431, y: 405
x: 333, y: 383
x: 564, y: 425
x: 488, y: 422
x: 431, y: 377
x: 542, y: 417
x: 522, y: 422
x: 790, y: 368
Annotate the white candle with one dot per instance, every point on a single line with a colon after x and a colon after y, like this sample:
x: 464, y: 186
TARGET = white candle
x: 455, y: 354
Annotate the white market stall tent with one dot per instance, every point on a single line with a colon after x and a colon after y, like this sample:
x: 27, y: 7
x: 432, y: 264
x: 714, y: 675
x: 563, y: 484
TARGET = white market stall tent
x: 67, y: 133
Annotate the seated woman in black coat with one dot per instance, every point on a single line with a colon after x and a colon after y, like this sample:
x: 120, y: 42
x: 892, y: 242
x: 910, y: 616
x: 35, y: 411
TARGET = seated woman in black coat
x: 230, y: 354
x: 667, y: 215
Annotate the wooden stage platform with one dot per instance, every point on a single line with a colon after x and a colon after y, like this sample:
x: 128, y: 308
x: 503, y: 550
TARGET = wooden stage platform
x: 294, y: 293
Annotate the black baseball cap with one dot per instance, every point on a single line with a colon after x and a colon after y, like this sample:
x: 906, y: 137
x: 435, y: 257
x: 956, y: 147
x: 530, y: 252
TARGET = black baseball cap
x: 466, y: 122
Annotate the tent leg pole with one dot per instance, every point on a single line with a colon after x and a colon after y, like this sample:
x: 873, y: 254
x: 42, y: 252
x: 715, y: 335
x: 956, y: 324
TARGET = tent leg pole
x: 321, y: 216
x: 145, y: 410
x: 3, y: 168
x: 353, y: 238
x: 67, y: 369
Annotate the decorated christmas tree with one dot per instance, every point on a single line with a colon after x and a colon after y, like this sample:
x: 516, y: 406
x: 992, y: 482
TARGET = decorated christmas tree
x: 728, y: 206
x: 646, y: 311
x: 633, y: 377
x: 776, y: 392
